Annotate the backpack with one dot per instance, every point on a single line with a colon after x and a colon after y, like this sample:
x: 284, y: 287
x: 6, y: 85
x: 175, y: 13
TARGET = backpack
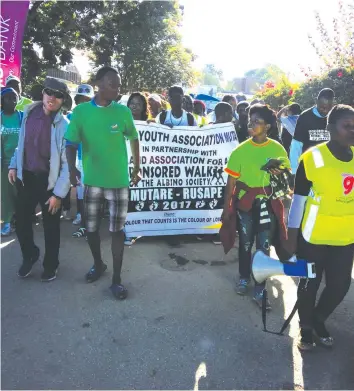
x: 163, y: 115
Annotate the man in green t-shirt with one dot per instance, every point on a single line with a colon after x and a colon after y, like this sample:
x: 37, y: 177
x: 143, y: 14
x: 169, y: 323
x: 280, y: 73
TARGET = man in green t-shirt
x: 102, y: 126
x: 246, y: 165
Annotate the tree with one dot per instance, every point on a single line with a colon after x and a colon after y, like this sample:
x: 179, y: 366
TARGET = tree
x: 230, y: 85
x: 270, y: 72
x: 336, y: 48
x: 211, y: 75
x: 141, y: 39
x: 54, y: 28
x: 277, y: 95
x: 340, y: 80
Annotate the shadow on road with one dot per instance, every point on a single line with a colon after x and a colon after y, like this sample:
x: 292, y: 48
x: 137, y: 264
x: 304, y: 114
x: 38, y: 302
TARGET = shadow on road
x: 334, y: 368
x: 180, y: 328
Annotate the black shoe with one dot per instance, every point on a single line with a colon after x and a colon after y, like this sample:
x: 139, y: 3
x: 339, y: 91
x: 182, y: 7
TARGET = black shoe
x: 306, y: 342
x: 322, y: 335
x: 49, y: 275
x: 95, y: 272
x: 119, y: 291
x: 26, y: 267
x: 80, y: 233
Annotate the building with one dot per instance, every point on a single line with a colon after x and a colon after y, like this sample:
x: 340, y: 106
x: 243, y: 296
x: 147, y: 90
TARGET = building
x: 246, y: 84
x: 69, y: 74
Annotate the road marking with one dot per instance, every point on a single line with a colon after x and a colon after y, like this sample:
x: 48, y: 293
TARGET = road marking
x: 4, y: 244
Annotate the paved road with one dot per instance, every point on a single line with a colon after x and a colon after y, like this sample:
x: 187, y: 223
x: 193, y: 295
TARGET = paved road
x: 182, y: 327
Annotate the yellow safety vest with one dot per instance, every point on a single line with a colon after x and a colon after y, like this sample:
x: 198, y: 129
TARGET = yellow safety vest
x: 329, y: 212
x: 200, y: 120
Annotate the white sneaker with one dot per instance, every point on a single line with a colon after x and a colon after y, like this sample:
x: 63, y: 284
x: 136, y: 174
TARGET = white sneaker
x: 129, y: 241
x: 77, y: 220
x: 65, y: 215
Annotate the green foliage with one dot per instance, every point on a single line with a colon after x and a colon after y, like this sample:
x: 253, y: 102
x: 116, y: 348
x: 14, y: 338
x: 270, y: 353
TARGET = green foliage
x: 269, y: 72
x: 140, y: 38
x: 230, y: 85
x: 211, y: 75
x: 56, y: 27
x: 284, y: 93
x: 277, y: 95
x: 340, y: 80
x: 335, y: 48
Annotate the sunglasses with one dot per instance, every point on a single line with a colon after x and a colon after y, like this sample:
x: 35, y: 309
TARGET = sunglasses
x: 82, y: 90
x: 57, y: 94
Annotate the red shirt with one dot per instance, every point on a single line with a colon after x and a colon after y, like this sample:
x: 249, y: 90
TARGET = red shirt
x: 37, y: 141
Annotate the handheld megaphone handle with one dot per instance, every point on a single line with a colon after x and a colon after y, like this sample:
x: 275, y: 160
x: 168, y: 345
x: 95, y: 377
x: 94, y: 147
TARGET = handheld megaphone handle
x: 291, y: 260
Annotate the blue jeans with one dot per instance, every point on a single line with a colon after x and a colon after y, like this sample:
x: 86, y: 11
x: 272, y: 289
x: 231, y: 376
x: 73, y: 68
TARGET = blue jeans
x: 247, y: 231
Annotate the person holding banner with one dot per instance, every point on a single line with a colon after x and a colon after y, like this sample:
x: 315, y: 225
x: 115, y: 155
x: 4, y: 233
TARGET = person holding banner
x: 138, y: 105
x: 11, y: 120
x: 40, y: 172
x: 188, y: 103
x: 249, y: 194
x: 102, y: 126
x: 177, y: 116
x: 199, y: 112
x: 321, y: 225
x: 223, y: 113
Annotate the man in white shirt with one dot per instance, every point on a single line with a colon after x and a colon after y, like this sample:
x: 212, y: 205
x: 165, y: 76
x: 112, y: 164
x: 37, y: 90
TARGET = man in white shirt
x: 176, y: 116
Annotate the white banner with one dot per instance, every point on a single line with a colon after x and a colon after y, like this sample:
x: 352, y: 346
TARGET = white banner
x: 183, y: 179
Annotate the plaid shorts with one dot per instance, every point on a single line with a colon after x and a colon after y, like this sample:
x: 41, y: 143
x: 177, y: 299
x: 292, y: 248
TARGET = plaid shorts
x: 117, y: 202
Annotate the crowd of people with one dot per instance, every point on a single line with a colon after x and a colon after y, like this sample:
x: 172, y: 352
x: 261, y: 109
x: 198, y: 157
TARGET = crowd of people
x: 48, y: 149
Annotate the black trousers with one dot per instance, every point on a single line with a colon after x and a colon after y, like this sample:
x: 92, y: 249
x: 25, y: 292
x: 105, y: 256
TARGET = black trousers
x: 336, y: 262
x: 66, y: 203
x: 247, y: 228
x: 31, y: 192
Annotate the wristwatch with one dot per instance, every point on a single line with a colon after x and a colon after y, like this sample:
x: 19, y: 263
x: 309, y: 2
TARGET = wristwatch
x: 57, y: 197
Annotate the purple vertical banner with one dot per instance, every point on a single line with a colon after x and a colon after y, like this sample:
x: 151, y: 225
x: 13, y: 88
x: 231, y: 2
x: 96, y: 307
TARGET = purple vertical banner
x: 13, y: 17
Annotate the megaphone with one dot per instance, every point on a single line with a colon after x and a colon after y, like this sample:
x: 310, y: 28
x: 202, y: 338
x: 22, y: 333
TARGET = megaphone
x: 264, y: 267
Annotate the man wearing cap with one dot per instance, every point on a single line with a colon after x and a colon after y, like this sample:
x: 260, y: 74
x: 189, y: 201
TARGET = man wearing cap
x: 84, y: 93
x: 40, y: 172
x: 15, y: 83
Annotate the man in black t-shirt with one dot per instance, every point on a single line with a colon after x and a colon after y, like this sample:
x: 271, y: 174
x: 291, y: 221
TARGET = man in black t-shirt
x: 311, y: 127
x: 241, y: 124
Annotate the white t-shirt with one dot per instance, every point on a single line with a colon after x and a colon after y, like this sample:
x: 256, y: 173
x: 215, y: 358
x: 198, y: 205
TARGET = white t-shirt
x: 171, y: 120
